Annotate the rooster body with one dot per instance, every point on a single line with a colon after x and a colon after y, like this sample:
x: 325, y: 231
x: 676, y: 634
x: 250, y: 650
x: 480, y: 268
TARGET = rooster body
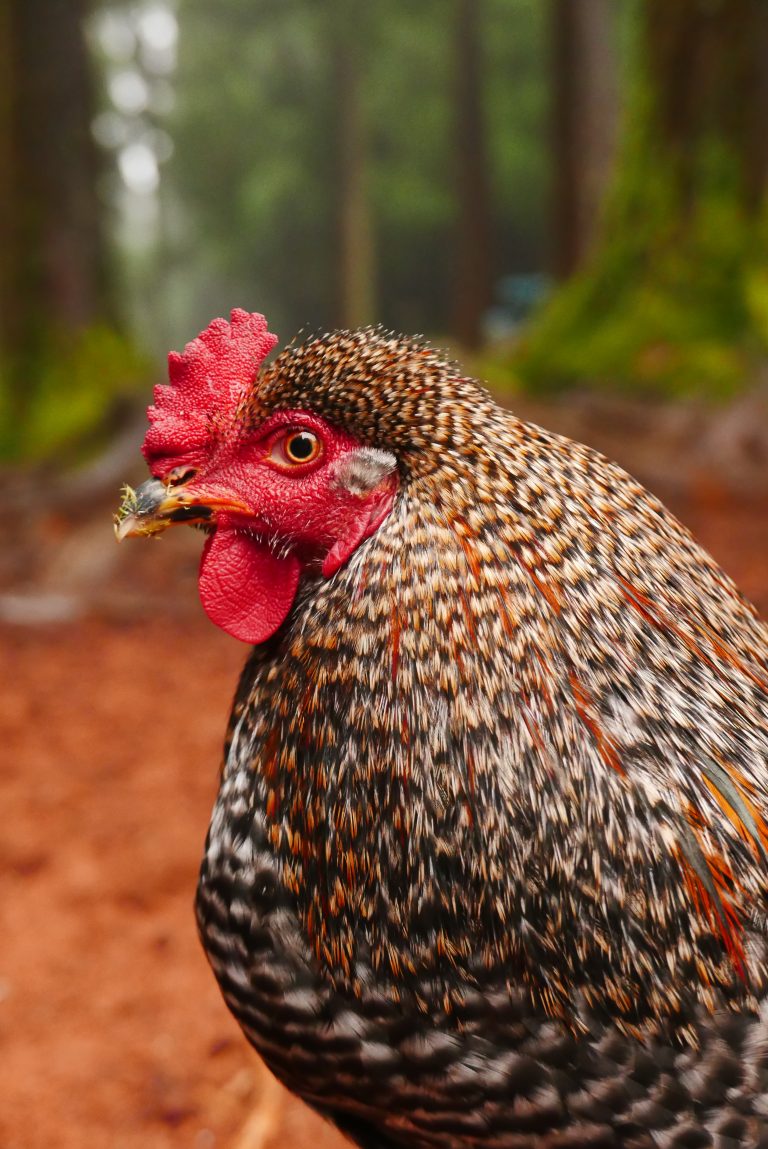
x: 488, y: 863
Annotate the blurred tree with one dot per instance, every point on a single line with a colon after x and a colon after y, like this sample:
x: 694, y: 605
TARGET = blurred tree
x: 62, y: 360
x: 356, y: 259
x: 255, y: 224
x: 707, y: 65
x: 473, y: 278
x: 676, y: 297
x: 320, y: 208
x: 52, y: 275
x: 585, y: 118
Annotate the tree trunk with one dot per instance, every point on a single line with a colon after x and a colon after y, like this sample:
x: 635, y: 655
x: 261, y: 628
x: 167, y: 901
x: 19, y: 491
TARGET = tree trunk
x: 585, y: 116
x: 473, y: 286
x: 356, y: 256
x: 707, y: 67
x: 53, y: 277
x: 7, y: 196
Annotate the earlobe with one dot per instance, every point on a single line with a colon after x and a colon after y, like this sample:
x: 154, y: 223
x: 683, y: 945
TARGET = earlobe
x: 361, y: 471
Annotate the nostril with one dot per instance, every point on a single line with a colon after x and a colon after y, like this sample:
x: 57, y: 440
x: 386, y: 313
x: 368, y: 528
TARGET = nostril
x: 180, y: 475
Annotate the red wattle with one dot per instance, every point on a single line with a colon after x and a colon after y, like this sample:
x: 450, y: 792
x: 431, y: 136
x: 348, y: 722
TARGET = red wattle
x: 245, y: 588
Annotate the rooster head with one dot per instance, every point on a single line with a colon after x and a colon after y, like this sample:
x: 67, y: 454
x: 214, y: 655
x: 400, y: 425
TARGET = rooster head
x: 280, y: 491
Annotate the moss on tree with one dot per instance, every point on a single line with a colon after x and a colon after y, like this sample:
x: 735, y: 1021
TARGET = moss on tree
x: 675, y: 297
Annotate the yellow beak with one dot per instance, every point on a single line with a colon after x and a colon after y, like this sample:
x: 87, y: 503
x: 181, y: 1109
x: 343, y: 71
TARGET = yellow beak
x: 153, y: 507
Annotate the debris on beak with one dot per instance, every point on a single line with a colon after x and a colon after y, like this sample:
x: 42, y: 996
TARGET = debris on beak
x: 153, y: 507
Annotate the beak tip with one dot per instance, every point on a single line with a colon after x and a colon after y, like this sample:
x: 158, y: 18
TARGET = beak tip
x: 137, y: 514
x: 122, y: 527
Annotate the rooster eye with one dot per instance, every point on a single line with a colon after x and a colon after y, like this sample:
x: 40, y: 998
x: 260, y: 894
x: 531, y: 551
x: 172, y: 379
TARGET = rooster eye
x: 301, y: 447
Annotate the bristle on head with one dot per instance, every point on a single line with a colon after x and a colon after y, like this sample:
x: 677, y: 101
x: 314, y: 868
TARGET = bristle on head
x: 208, y: 384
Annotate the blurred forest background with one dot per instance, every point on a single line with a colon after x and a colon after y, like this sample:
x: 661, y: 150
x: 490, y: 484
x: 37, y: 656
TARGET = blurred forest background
x: 571, y: 195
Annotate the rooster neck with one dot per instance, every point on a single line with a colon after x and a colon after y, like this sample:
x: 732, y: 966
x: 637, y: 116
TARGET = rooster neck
x: 354, y: 739
x: 450, y: 747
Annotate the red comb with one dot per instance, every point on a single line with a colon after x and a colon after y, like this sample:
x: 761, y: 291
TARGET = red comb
x: 207, y: 386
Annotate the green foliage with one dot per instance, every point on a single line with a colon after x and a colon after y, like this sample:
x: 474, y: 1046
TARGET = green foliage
x: 675, y: 298
x: 664, y: 307
x: 77, y: 381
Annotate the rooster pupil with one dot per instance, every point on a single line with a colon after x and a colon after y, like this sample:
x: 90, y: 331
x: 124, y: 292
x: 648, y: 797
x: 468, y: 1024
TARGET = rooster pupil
x: 301, y: 447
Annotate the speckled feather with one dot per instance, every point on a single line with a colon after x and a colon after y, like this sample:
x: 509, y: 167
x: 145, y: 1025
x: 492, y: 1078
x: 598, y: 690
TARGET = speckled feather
x: 488, y: 863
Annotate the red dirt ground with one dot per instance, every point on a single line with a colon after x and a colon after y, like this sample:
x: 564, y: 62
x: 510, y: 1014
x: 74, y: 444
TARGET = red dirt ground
x: 112, y: 1031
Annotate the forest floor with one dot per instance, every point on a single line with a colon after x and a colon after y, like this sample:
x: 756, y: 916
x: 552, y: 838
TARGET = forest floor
x: 112, y: 1030
x: 115, y: 693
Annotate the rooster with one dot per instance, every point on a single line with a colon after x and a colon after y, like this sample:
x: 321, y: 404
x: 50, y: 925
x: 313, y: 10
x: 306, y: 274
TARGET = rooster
x: 488, y: 864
